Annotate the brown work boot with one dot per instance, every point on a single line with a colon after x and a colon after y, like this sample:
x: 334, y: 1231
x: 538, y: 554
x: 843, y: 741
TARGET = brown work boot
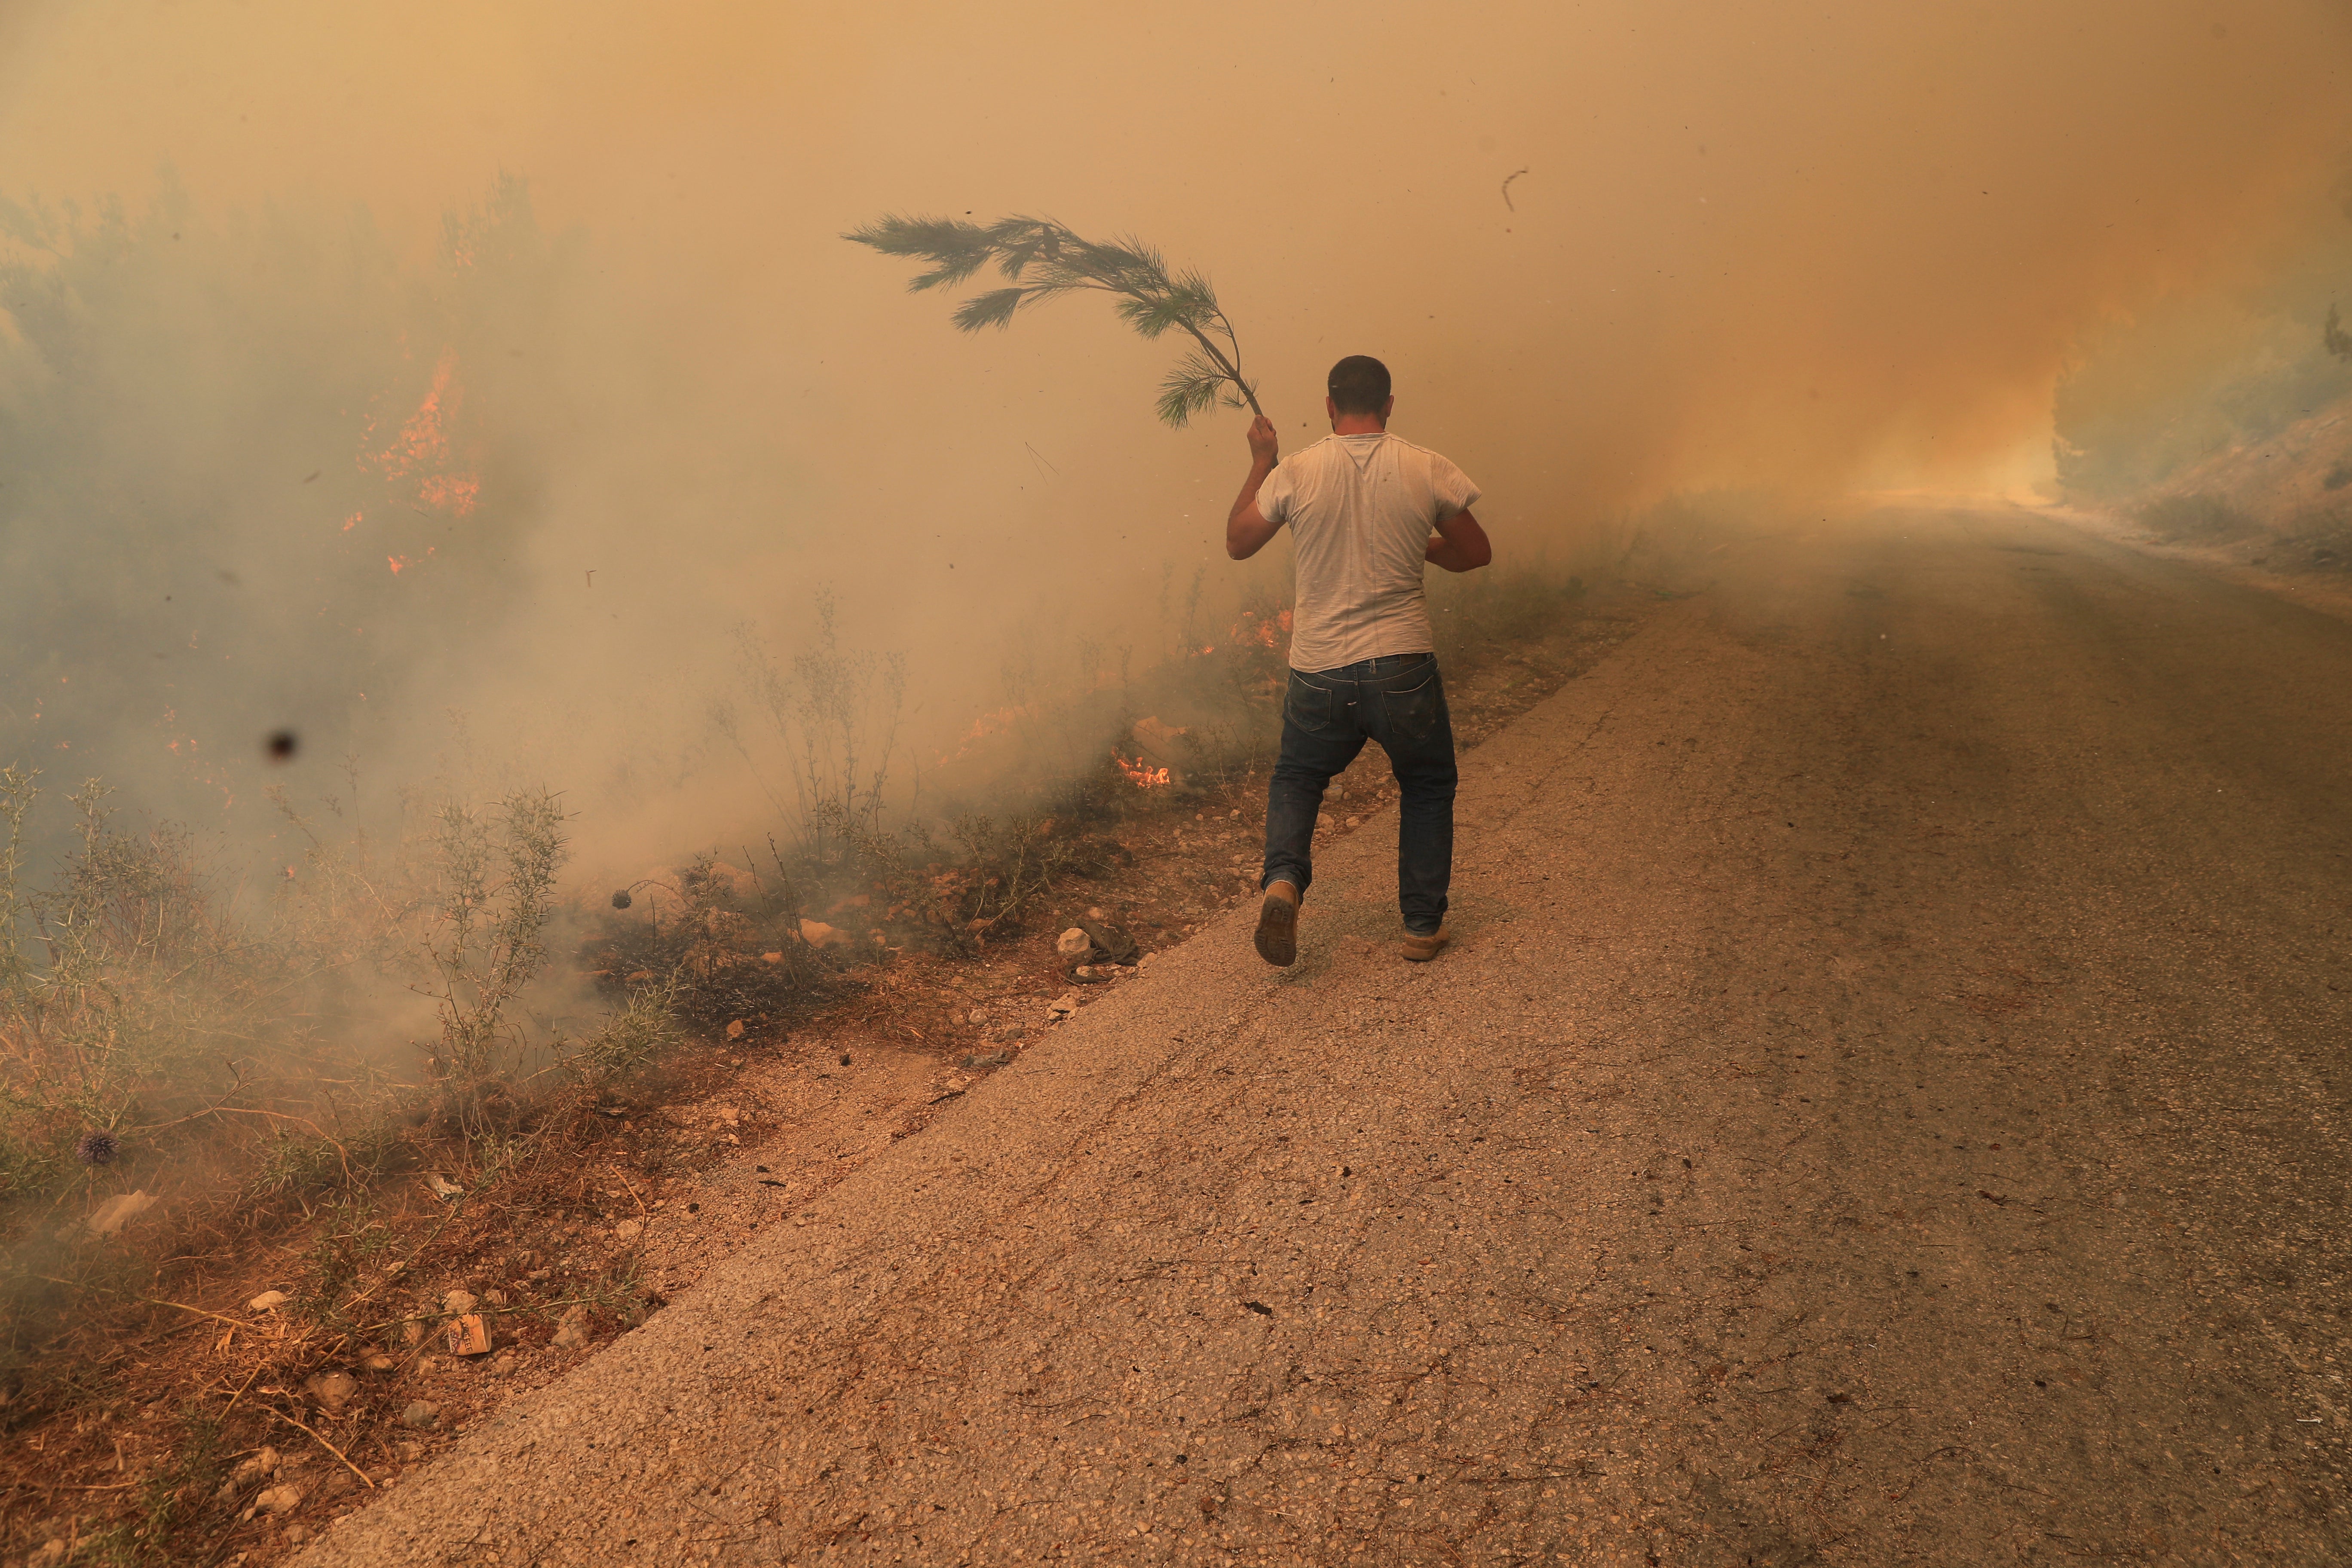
x: 1277, y: 925
x: 1421, y: 949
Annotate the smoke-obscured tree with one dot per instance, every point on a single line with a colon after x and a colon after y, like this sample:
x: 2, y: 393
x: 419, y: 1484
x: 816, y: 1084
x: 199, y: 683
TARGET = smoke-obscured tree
x: 1041, y: 259
x: 2333, y: 338
x: 256, y: 470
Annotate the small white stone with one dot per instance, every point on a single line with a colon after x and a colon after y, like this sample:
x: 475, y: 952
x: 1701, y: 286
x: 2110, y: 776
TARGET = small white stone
x: 267, y: 1302
x: 571, y: 1330
x: 119, y: 1210
x: 278, y: 1499
x: 332, y: 1390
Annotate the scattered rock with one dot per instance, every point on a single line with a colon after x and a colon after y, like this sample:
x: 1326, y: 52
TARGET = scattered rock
x: 459, y: 1302
x: 119, y: 1210
x: 1111, y: 941
x: 627, y: 1231
x: 378, y: 1362
x: 571, y: 1330
x: 257, y: 1466
x: 735, y: 1030
x: 1355, y: 822
x: 495, y: 1297
x: 296, y: 1534
x: 502, y: 1363
x: 408, y: 1453
x: 1075, y: 944
x: 772, y: 958
x: 332, y: 1390
x: 442, y: 1187
x: 50, y: 1553
x: 816, y: 933
x: 979, y: 1016
x: 277, y: 1499
x: 420, y: 1415
x: 267, y: 1302
x: 468, y: 1335
x: 1065, y: 1005
x: 413, y: 1332
x: 1011, y: 1032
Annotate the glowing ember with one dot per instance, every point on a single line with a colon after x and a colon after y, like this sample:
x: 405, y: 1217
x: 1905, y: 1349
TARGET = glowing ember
x: 1140, y: 772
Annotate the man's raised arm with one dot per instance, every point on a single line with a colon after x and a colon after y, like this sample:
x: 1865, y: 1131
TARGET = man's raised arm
x: 1246, y: 528
x: 1460, y: 544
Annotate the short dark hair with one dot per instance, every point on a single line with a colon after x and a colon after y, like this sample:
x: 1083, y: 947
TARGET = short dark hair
x: 1359, y: 384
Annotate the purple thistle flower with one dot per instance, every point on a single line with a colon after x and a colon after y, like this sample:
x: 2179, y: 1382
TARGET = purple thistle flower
x: 96, y: 1149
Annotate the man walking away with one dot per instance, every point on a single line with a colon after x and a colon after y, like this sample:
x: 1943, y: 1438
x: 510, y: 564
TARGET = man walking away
x: 1366, y: 511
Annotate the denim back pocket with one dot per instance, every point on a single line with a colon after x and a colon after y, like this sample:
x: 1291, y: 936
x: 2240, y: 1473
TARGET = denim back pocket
x: 1307, y: 706
x: 1412, y: 713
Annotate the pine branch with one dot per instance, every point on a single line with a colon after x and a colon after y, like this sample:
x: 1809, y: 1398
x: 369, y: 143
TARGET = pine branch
x: 1041, y: 259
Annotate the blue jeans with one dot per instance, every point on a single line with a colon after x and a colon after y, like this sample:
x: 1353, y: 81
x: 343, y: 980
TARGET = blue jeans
x: 1399, y: 701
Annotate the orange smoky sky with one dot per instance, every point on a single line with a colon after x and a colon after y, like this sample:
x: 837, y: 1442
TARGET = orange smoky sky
x: 1741, y: 243
x: 1750, y: 238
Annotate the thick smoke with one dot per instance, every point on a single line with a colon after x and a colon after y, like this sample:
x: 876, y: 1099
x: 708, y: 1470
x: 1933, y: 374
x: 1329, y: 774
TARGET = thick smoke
x: 1742, y: 245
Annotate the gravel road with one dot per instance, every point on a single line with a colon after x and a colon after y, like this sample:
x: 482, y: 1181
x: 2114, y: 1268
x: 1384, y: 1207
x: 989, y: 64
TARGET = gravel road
x: 1887, y: 1104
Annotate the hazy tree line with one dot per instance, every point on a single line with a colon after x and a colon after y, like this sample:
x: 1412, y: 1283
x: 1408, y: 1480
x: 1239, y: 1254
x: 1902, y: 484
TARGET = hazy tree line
x: 2208, y: 371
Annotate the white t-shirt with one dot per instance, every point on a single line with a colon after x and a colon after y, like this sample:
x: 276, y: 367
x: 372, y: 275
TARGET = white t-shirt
x: 1361, y: 509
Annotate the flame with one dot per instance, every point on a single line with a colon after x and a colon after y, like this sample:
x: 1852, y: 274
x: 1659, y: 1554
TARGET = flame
x: 1140, y: 772
x: 422, y: 451
x: 456, y: 491
x: 1266, y: 631
x: 988, y: 724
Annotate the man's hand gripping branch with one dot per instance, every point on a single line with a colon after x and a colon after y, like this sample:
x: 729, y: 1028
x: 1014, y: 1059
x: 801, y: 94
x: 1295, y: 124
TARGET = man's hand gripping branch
x: 1246, y: 528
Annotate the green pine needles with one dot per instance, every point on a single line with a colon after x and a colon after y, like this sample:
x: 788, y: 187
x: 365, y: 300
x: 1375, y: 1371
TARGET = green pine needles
x: 1040, y: 259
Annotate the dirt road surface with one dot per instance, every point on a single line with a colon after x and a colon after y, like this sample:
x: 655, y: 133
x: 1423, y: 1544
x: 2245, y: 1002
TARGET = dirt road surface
x: 1887, y: 1104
